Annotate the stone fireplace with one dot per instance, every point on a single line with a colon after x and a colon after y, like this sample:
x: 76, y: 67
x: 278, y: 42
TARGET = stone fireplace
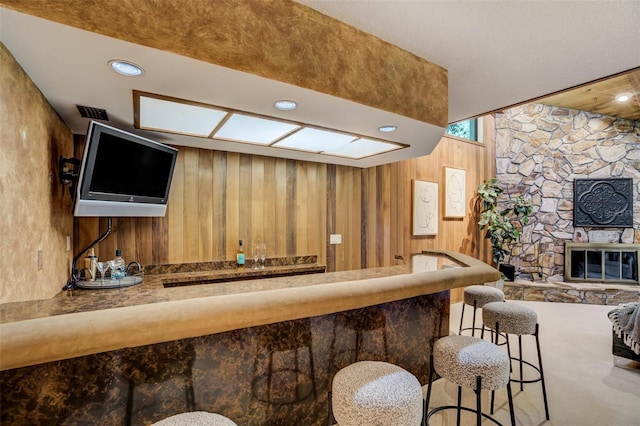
x: 540, y: 153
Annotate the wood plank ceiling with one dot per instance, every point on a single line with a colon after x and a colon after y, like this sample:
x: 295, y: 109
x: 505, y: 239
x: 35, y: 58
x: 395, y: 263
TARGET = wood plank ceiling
x: 600, y: 96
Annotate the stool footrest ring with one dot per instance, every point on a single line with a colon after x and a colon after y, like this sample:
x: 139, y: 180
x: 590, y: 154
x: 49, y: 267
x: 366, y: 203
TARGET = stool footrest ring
x: 521, y: 380
x: 455, y: 407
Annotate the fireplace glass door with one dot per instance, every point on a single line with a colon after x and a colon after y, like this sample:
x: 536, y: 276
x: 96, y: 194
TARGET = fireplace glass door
x: 595, y: 263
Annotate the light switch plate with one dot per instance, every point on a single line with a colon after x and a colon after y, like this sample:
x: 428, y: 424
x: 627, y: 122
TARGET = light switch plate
x: 335, y: 239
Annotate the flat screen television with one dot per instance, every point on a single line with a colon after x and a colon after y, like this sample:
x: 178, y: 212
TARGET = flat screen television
x: 123, y: 175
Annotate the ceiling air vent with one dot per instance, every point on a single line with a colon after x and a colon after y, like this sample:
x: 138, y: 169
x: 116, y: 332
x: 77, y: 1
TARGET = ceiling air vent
x: 94, y: 113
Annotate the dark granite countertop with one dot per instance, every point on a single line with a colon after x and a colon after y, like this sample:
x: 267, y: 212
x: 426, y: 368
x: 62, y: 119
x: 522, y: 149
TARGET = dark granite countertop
x: 163, y: 283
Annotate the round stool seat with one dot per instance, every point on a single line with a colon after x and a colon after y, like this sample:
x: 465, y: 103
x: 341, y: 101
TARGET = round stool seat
x: 512, y: 317
x: 196, y: 418
x: 481, y: 295
x: 461, y: 359
x: 376, y: 393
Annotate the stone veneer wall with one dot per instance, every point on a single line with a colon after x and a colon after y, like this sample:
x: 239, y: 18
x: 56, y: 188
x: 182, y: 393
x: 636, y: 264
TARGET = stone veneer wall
x: 540, y: 150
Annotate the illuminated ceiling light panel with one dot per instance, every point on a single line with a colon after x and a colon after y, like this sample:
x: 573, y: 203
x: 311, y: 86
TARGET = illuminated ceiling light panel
x: 174, y: 117
x: 315, y: 140
x: 362, y: 148
x: 245, y: 128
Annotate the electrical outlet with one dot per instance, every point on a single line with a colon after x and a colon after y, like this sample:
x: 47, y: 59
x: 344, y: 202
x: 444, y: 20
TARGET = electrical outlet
x: 39, y: 259
x: 68, y: 243
x: 335, y: 239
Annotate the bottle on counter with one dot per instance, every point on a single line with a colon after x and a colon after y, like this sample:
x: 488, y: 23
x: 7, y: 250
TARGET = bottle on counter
x: 118, y: 267
x: 91, y: 263
x: 240, y: 258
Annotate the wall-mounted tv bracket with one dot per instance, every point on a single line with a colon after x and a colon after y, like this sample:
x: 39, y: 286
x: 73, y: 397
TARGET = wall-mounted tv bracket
x: 69, y: 169
x: 75, y: 273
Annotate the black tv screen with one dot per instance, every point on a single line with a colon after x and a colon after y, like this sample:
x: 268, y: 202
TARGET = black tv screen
x: 123, y: 174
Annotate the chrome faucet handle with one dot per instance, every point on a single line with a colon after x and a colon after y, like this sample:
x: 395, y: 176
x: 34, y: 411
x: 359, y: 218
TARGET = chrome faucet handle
x: 133, y: 265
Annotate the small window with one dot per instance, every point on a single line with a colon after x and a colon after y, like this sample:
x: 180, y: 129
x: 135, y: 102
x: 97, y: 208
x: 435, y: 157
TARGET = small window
x: 466, y: 129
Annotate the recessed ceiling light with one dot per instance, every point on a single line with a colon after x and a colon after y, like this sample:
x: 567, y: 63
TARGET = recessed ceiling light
x: 623, y: 97
x: 387, y: 129
x: 126, y: 68
x: 285, y: 105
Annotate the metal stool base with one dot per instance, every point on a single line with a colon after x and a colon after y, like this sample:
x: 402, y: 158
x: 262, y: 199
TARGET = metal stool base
x: 478, y: 411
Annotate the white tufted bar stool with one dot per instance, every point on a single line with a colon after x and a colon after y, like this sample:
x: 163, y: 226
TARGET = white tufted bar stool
x: 196, y: 418
x: 376, y: 393
x: 514, y: 319
x: 473, y: 363
x: 478, y: 296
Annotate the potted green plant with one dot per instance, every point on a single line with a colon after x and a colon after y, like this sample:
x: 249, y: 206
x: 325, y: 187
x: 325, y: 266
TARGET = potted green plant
x: 503, y: 221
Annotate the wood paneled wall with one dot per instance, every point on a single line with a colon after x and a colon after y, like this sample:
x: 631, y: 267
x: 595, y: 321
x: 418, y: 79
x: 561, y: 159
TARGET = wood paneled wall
x: 372, y: 208
x: 218, y: 198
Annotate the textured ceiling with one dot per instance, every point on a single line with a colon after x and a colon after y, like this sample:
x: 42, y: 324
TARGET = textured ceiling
x: 502, y: 53
x: 497, y: 54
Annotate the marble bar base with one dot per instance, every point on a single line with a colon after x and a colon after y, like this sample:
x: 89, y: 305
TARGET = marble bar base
x: 276, y: 374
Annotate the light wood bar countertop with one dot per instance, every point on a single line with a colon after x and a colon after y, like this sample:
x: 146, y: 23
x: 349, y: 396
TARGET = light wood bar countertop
x: 84, y: 322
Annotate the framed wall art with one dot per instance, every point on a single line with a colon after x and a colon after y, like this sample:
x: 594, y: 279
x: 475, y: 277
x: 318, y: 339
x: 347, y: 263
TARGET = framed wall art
x: 455, y: 192
x: 425, y: 208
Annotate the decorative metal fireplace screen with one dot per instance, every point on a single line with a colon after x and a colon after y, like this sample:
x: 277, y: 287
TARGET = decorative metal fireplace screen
x: 603, y: 202
x: 595, y: 262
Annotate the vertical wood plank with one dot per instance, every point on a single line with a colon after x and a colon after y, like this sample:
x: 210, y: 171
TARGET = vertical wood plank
x: 341, y: 220
x: 143, y: 230
x: 301, y: 207
x: 257, y: 205
x: 205, y: 205
x: 313, y: 211
x: 291, y: 203
x: 159, y: 250
x: 190, y: 213
x: 281, y: 208
x: 395, y: 222
x: 245, y: 197
x: 232, y: 205
x: 219, y: 208
x: 322, y: 233
x: 355, y: 211
x: 269, y: 190
x: 385, y: 190
x: 175, y: 209
x: 331, y: 216
x: 108, y: 245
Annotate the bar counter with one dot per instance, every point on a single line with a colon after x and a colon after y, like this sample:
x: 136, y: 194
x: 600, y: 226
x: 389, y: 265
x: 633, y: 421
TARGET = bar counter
x: 231, y: 336
x: 90, y: 321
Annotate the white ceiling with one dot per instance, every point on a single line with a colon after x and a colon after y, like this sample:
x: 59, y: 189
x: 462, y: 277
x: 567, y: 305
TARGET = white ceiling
x: 500, y: 53
x: 497, y: 53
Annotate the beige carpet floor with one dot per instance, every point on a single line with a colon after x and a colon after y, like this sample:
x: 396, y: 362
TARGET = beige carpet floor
x: 585, y: 385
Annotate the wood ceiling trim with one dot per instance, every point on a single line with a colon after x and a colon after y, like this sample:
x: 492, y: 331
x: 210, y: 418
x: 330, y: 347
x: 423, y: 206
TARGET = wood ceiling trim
x: 600, y: 96
x: 277, y: 39
x: 595, y: 96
